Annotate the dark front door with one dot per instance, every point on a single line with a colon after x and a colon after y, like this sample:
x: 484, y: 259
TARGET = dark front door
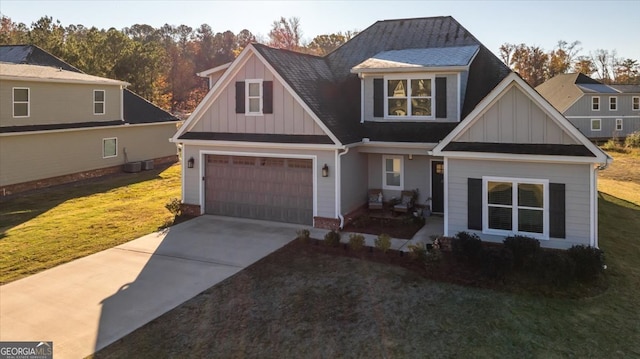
x: 437, y: 186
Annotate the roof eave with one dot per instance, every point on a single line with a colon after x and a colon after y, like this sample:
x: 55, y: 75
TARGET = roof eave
x: 363, y: 71
x: 70, y: 81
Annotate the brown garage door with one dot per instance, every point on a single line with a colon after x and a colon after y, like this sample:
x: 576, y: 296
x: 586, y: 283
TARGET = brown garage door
x: 274, y: 189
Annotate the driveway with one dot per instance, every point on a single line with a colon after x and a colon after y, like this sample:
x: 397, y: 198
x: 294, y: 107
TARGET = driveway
x: 85, y: 305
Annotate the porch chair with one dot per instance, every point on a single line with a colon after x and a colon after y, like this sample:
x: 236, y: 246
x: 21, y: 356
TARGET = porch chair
x: 375, y: 199
x: 407, y: 201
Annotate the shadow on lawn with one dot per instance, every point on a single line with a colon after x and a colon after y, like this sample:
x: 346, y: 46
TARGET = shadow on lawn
x: 22, y: 207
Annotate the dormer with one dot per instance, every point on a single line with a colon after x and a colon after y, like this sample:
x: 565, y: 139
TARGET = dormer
x: 415, y: 85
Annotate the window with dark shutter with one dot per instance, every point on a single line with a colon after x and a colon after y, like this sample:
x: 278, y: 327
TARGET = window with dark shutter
x: 240, y: 97
x: 267, y: 97
x: 474, y: 203
x: 441, y: 97
x: 378, y: 98
x: 557, y: 213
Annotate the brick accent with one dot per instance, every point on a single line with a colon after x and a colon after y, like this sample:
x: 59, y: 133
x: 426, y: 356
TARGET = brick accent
x: 190, y: 209
x: 349, y: 217
x: 326, y: 223
x: 73, y: 177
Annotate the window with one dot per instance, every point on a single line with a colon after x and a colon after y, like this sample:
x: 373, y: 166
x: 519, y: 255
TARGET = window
x: 618, y: 124
x: 109, y: 147
x: 20, y: 102
x: 596, y: 124
x: 392, y: 172
x: 254, y: 97
x: 98, y: 102
x: 613, y: 103
x: 635, y: 103
x: 409, y: 97
x: 516, y: 206
x: 595, y: 103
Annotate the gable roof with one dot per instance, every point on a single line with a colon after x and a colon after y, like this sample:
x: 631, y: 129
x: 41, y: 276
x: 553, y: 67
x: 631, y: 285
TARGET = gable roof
x: 22, y: 72
x: 585, y: 148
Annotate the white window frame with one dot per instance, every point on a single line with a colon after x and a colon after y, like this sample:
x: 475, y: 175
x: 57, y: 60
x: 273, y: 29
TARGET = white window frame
x: 613, y: 103
x: 408, y: 78
x: 599, y: 121
x: 384, y: 172
x: 514, y: 207
x: 619, y: 124
x: 595, y: 103
x: 104, y: 140
x: 247, y: 106
x: 635, y: 103
x: 14, y: 102
x: 103, y: 102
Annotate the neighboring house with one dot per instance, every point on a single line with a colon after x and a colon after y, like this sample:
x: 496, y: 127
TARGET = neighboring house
x: 404, y: 105
x: 600, y: 111
x: 59, y: 125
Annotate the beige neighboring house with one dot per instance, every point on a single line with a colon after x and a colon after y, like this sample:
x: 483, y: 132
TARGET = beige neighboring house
x: 59, y: 125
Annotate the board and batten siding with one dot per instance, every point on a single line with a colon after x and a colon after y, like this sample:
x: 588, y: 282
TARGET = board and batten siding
x: 353, y: 177
x: 515, y: 118
x: 288, y: 116
x: 56, y: 103
x: 607, y: 126
x: 325, y: 185
x: 30, y: 157
x: 574, y: 176
x: 417, y: 175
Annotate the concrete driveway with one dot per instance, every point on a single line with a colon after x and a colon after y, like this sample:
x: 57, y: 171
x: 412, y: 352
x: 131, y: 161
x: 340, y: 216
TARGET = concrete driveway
x: 87, y: 304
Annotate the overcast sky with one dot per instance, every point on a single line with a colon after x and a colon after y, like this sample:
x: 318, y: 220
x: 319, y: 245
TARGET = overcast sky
x: 610, y: 25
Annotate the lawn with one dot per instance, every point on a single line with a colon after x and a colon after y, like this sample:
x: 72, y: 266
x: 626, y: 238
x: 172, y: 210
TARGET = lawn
x: 300, y: 303
x: 45, y: 228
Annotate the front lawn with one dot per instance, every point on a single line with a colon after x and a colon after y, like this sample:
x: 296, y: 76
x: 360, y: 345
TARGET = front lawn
x: 48, y: 227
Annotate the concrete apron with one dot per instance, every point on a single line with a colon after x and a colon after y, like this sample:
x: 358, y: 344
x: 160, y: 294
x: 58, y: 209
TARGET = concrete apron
x: 87, y: 304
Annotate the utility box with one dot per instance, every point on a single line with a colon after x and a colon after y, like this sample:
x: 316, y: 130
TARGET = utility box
x: 147, y: 165
x: 132, y: 167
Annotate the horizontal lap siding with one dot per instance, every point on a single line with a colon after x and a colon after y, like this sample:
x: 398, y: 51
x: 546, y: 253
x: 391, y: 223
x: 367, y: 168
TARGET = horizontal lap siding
x: 575, y: 177
x: 354, y: 180
x: 608, y: 126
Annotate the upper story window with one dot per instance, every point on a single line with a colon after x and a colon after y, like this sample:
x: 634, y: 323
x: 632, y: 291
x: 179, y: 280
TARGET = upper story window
x: 595, y: 103
x: 21, y: 102
x: 254, y: 97
x: 409, y: 97
x: 635, y: 103
x: 613, y: 103
x: 392, y: 172
x: 98, y: 102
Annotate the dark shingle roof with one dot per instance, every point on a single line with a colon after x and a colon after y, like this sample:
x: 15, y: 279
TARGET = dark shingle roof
x: 407, y: 131
x: 139, y: 110
x: 32, y: 55
x: 57, y: 126
x: 520, y: 148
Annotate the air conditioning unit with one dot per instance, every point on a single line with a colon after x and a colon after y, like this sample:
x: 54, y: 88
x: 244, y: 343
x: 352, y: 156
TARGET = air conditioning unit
x: 147, y: 165
x: 132, y: 167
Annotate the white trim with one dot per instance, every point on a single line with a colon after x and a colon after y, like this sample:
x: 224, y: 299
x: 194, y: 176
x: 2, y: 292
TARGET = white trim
x: 183, y: 169
x: 459, y: 79
x: 409, y: 97
x: 603, y: 117
x: 596, y: 120
x: 202, y: 180
x: 241, y: 144
x: 620, y: 122
x: 121, y: 104
x: 408, y: 69
x: 116, y: 147
x: 516, y: 157
x: 634, y: 98
x: 247, y: 98
x: 515, y: 206
x: 24, y: 133
x: 415, y: 145
x: 207, y: 73
x: 446, y: 196
x: 593, y: 205
x: 384, y: 172
x: 103, y: 102
x: 614, y: 103
x: 592, y: 103
x: 13, y: 101
x: 514, y: 80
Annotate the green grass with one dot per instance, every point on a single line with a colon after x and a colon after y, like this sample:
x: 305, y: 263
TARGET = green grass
x: 45, y: 228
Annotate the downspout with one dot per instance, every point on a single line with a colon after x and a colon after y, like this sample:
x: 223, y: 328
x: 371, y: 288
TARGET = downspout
x: 600, y: 167
x: 338, y: 185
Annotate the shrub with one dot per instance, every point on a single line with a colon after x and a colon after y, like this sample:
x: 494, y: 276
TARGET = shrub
x: 497, y: 263
x: 523, y: 248
x: 633, y: 140
x: 418, y: 251
x: 612, y: 144
x: 467, y: 247
x: 383, y: 242
x: 356, y: 241
x: 303, y: 234
x: 332, y: 238
x: 555, y: 268
x: 589, y: 262
x: 174, y: 206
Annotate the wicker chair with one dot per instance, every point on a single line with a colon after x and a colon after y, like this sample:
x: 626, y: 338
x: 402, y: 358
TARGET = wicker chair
x: 407, y: 201
x: 375, y: 199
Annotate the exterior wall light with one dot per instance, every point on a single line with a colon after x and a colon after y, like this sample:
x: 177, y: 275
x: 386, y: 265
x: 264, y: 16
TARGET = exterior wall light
x: 190, y: 162
x: 325, y: 170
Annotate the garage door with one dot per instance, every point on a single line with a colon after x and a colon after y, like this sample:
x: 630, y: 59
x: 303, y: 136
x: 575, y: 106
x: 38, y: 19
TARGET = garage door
x: 274, y: 189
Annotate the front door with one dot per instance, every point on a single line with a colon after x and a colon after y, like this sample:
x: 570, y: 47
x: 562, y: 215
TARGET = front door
x: 437, y: 186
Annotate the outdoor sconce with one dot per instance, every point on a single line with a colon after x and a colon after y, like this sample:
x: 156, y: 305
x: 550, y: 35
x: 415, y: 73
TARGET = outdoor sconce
x: 190, y: 162
x: 325, y: 170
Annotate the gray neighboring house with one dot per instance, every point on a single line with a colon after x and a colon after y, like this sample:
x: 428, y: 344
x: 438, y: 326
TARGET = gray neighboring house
x: 58, y: 124
x: 406, y: 104
x: 599, y: 111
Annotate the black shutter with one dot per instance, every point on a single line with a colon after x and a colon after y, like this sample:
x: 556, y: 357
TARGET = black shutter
x: 378, y: 98
x: 474, y: 203
x: 267, y: 97
x: 240, y: 97
x: 441, y: 97
x: 557, y: 210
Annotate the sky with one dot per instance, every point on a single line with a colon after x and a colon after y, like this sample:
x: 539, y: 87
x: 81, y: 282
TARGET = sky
x: 609, y: 25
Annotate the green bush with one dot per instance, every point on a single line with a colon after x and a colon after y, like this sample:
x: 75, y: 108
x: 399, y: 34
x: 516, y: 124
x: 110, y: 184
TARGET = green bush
x: 497, y: 263
x: 383, y: 242
x: 467, y: 247
x: 303, y: 234
x: 633, y: 140
x: 174, y: 206
x: 418, y: 251
x: 332, y: 238
x: 524, y: 249
x: 554, y: 267
x: 589, y: 262
x: 356, y: 241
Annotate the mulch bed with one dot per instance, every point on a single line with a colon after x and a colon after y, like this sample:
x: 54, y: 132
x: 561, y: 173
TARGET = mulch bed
x: 397, y: 227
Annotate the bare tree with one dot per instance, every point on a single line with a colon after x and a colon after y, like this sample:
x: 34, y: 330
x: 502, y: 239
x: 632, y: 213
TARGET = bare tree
x: 286, y: 34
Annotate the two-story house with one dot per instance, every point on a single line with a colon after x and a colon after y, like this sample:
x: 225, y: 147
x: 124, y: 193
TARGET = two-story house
x: 59, y: 125
x: 404, y: 105
x: 599, y: 111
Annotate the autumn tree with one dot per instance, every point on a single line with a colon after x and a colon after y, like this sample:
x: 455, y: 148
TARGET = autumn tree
x: 626, y: 71
x: 530, y: 62
x: 12, y: 33
x: 286, y: 34
x: 584, y: 65
x: 561, y: 58
x: 324, y: 44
